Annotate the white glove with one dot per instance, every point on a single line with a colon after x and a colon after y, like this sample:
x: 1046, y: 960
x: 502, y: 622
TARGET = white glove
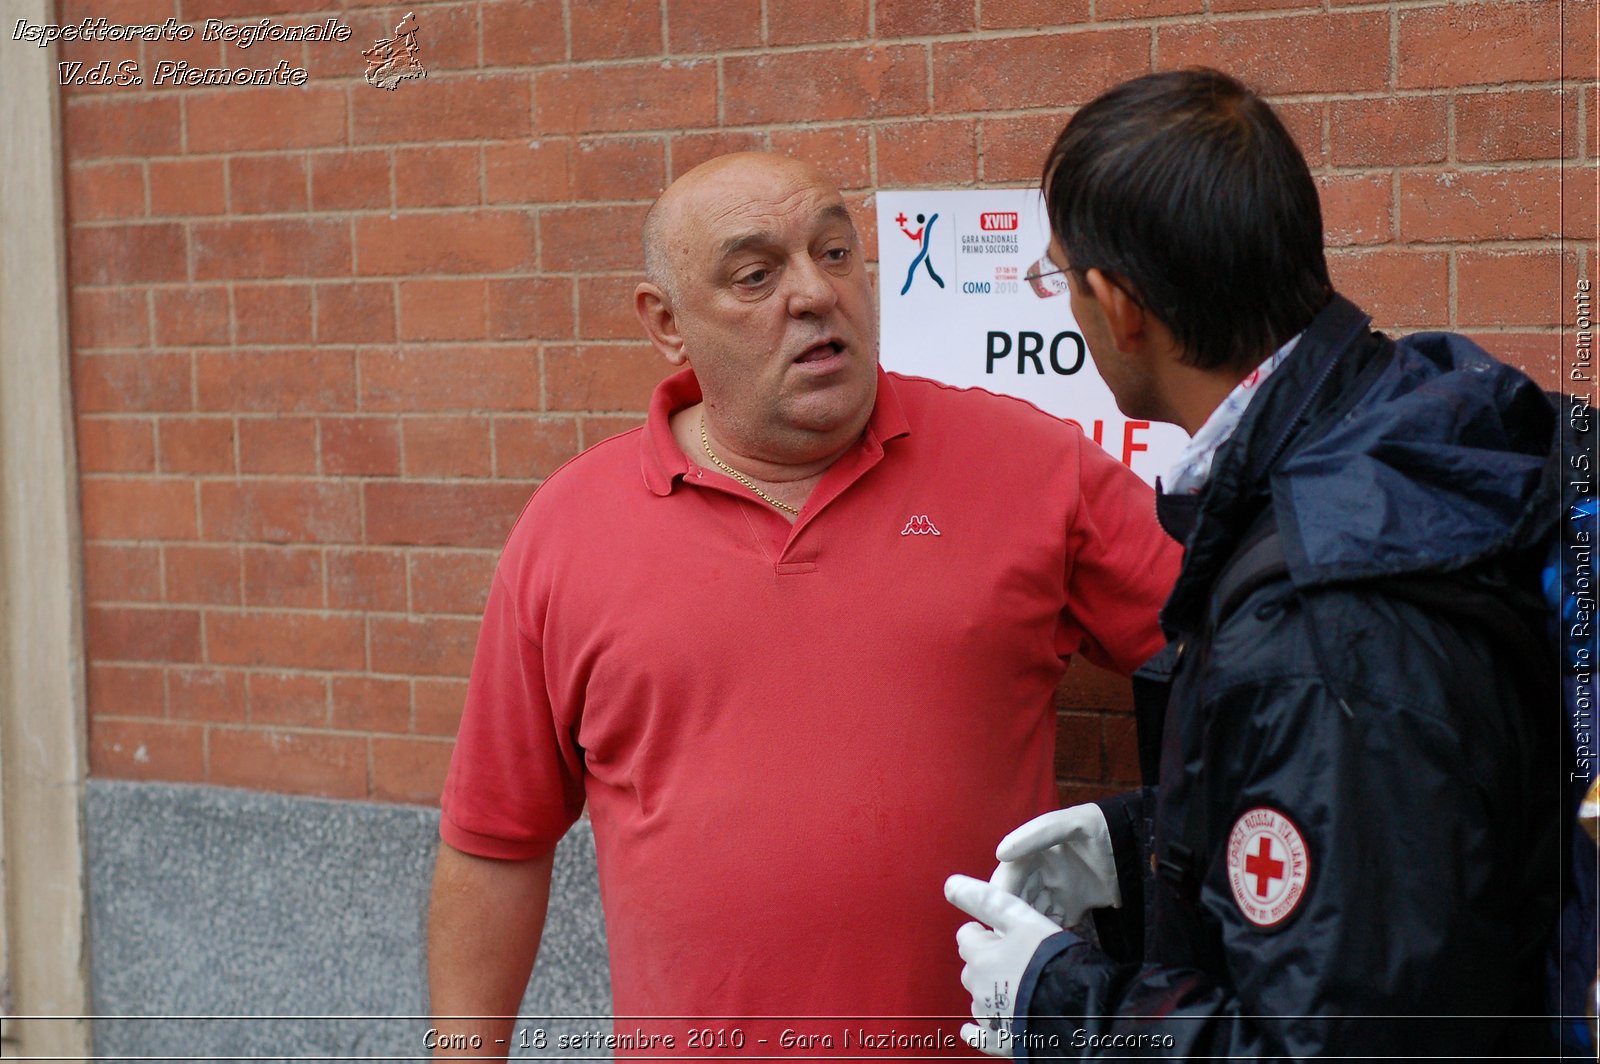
x: 1061, y: 864
x: 995, y: 960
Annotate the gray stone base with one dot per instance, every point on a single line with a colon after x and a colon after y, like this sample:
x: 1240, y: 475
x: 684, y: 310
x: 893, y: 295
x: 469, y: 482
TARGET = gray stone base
x: 231, y: 923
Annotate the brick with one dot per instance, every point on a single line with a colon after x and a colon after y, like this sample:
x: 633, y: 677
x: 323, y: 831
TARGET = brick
x: 521, y: 33
x: 1014, y: 149
x: 271, y: 250
x: 287, y: 699
x: 360, y: 446
x: 202, y: 575
x: 1398, y: 288
x: 277, y: 445
x: 116, y: 445
x: 1071, y: 792
x: 75, y: 80
x: 286, y: 578
x: 443, y: 310
x: 350, y: 180
x: 525, y: 171
x: 712, y: 25
x: 488, y: 107
x: 138, y: 508
x: 1539, y: 355
x: 927, y: 152
x: 469, y: 378
x: 272, y: 313
x: 1078, y: 746
x: 447, y: 37
x: 286, y: 640
x: 438, y: 705
x: 1109, y: 10
x: 1580, y: 50
x: 919, y: 18
x: 1499, y: 205
x: 105, y: 191
x: 289, y: 762
x: 191, y: 315
x: 267, y: 184
x: 1086, y: 685
x: 276, y: 382
x: 1580, y: 196
x: 1355, y: 208
x: 1304, y: 121
x: 1033, y: 14
x: 659, y: 95
x: 364, y: 703
x: 819, y: 85
x: 128, y: 383
x: 1337, y: 52
x: 803, y: 22
x: 120, y: 633
x: 367, y: 580
x: 689, y: 150
x: 442, y: 515
x: 531, y: 308
x: 409, y: 770
x: 453, y: 582
x: 1509, y: 288
x: 605, y: 308
x: 281, y: 511
x: 1515, y: 126
x: 146, y: 750
x: 438, y: 177
x: 276, y: 119
x: 592, y: 430
x: 1120, y: 743
x: 584, y: 239
x: 596, y: 377
x: 128, y: 254
x: 532, y: 448
x: 355, y: 313
x: 619, y: 168
x: 1478, y: 44
x: 1034, y: 71
x: 108, y: 317
x: 446, y: 447
x: 187, y: 188
x: 616, y: 29
x: 477, y: 242
x: 206, y: 694
x: 861, y: 210
x: 196, y: 444
x: 424, y: 646
x: 137, y: 128
x: 1387, y: 132
x: 126, y: 691
x: 121, y: 574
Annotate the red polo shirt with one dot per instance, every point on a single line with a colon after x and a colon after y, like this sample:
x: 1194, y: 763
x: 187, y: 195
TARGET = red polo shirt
x: 789, y: 735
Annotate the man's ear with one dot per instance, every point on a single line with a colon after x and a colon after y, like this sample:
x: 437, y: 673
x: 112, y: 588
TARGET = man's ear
x: 1124, y: 315
x: 660, y: 325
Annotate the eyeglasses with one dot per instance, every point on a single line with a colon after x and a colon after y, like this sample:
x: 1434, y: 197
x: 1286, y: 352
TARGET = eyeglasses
x: 1046, y: 279
x: 1033, y: 278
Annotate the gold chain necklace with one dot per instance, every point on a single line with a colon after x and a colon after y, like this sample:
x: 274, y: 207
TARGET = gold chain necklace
x: 705, y: 441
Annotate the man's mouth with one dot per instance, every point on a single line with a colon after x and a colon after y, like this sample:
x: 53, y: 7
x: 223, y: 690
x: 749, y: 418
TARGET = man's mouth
x: 826, y: 349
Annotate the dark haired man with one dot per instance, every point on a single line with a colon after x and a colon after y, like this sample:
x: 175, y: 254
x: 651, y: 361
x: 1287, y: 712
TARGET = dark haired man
x: 1350, y: 846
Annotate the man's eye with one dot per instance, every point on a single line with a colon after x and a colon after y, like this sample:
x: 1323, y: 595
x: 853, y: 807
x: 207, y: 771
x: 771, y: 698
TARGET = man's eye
x: 836, y: 254
x: 753, y: 278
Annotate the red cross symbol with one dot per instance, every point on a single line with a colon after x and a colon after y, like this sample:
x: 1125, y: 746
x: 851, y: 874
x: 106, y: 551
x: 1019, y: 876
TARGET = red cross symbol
x: 900, y: 219
x: 1261, y: 865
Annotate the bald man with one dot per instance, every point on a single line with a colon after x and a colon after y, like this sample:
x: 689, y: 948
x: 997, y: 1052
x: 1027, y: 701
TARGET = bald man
x: 795, y: 641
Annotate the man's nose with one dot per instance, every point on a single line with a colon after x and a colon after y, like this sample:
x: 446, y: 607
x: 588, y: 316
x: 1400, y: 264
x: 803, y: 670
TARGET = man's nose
x: 811, y: 289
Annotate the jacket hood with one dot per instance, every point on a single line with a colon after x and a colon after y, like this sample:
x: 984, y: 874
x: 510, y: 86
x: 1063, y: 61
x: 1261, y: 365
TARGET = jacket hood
x: 1439, y: 464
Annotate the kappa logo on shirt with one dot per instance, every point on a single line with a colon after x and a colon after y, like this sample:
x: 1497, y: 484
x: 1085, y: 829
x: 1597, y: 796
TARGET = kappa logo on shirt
x: 919, y: 525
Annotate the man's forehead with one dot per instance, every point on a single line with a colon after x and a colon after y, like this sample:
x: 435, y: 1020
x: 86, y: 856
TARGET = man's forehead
x: 756, y: 230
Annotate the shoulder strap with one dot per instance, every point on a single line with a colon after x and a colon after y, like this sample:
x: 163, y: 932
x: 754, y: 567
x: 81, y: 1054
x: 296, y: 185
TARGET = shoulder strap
x: 1257, y: 560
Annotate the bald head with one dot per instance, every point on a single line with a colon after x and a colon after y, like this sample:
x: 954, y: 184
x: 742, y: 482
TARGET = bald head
x: 703, y: 194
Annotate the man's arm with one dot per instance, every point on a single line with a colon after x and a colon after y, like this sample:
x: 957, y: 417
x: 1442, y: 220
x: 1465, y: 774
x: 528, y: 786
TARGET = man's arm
x: 484, y: 923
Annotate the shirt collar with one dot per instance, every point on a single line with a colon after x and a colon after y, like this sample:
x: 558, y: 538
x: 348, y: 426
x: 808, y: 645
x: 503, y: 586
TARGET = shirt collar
x: 662, y: 461
x: 1193, y: 468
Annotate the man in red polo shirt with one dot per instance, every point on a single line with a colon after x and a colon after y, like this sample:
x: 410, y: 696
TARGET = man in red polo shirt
x: 788, y: 641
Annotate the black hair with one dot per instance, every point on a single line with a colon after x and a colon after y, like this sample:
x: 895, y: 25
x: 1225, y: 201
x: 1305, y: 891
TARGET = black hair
x: 1185, y: 189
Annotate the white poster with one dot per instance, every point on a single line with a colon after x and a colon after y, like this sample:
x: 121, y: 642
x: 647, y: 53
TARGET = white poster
x: 957, y: 305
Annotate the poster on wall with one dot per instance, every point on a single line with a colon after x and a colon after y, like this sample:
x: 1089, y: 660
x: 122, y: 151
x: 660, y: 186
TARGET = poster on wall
x: 967, y: 297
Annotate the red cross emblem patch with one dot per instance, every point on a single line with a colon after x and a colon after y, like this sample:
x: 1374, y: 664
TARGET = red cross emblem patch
x: 1268, y: 866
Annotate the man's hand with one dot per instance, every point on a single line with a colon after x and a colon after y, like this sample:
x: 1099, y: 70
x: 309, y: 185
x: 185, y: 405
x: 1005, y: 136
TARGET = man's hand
x: 995, y: 960
x: 1061, y: 864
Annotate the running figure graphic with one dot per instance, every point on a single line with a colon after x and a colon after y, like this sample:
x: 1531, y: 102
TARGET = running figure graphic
x: 924, y: 234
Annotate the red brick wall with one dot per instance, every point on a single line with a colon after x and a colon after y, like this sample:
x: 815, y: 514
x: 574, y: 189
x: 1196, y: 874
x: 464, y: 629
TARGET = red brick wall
x: 328, y: 338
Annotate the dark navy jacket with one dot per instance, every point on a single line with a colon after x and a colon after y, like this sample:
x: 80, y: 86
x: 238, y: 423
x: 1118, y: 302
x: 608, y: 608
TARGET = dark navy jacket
x: 1416, y: 758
